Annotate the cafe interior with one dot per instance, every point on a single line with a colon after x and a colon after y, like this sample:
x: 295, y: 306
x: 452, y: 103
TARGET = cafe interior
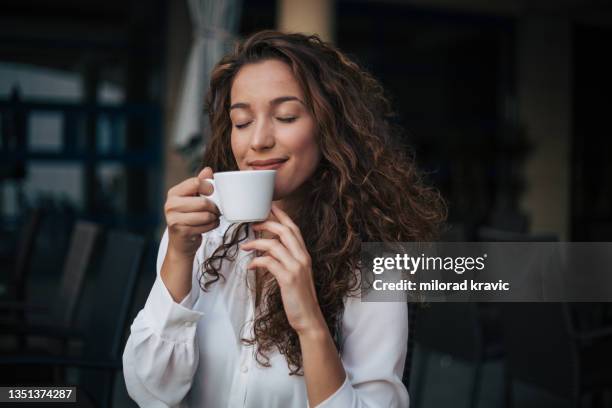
x: 502, y: 102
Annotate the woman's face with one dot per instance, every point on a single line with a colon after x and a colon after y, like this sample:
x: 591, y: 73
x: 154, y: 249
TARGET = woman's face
x: 271, y: 125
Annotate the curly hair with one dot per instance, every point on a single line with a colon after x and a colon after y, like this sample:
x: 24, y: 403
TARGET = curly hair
x: 365, y: 188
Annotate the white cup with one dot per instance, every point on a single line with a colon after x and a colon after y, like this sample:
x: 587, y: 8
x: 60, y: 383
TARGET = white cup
x: 243, y: 196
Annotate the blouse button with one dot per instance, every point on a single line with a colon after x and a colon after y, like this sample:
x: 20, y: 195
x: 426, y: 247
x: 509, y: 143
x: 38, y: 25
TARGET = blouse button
x: 244, y: 369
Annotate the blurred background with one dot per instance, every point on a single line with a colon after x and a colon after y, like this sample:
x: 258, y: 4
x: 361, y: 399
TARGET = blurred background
x: 504, y: 103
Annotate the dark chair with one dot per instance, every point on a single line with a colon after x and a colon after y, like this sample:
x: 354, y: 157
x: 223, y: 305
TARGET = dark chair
x: 492, y: 321
x: 60, y: 314
x: 113, y: 289
x: 78, y: 257
x: 455, y: 329
x: 15, y: 290
x: 544, y: 350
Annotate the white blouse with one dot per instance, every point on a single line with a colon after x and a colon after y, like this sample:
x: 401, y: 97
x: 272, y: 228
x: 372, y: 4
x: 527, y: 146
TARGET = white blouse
x: 189, y: 354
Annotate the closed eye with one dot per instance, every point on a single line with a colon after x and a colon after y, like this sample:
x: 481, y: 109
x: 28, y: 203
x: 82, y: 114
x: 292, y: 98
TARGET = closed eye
x: 284, y: 120
x: 242, y: 125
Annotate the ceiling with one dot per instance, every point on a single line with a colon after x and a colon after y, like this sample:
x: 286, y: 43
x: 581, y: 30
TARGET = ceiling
x: 62, y: 33
x: 596, y: 10
x: 34, y: 30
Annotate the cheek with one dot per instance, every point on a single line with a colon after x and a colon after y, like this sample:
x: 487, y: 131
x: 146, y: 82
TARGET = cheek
x: 308, y: 149
x: 238, y: 149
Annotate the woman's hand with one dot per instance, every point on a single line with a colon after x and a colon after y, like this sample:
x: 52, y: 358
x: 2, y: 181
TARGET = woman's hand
x: 287, y: 259
x: 188, y: 215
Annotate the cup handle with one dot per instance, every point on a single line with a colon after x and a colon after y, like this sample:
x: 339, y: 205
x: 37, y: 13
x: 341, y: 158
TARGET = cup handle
x: 214, y: 197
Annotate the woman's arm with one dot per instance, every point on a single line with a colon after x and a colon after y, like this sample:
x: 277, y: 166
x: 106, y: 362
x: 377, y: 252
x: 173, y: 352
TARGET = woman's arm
x: 161, y: 354
x: 376, y: 335
x: 176, y: 273
x: 373, y: 355
x: 323, y: 370
x: 188, y: 216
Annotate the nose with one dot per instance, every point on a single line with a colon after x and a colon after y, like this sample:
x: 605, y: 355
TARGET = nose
x: 263, y: 135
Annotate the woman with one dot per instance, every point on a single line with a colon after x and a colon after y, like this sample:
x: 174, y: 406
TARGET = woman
x: 235, y: 320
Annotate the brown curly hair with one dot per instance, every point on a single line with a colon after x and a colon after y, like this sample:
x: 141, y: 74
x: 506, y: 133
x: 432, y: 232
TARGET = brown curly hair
x: 366, y: 187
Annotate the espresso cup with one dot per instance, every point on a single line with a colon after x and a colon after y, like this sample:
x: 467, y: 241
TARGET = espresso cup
x: 243, y: 196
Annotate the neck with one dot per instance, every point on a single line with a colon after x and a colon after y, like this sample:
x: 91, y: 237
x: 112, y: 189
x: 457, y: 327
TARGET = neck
x: 287, y: 205
x: 291, y: 204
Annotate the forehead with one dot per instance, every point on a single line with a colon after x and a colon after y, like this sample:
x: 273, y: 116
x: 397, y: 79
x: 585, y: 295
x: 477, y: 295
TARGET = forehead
x: 264, y: 80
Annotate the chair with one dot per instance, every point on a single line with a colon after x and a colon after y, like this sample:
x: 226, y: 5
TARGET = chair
x: 27, y: 238
x: 77, y: 261
x: 544, y: 350
x: 103, y: 338
x: 468, y: 331
x: 61, y: 312
x: 455, y: 329
x: 493, y: 323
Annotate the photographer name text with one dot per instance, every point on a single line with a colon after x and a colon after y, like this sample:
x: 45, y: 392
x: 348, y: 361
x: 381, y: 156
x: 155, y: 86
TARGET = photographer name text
x: 436, y: 285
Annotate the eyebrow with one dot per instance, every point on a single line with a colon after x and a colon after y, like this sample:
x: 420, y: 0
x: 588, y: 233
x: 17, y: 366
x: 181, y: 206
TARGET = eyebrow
x: 273, y: 102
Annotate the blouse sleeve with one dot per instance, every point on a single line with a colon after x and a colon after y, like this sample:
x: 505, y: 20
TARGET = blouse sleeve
x: 161, y: 354
x: 374, y: 353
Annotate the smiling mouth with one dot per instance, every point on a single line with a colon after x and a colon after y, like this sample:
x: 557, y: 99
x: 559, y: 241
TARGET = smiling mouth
x: 267, y: 164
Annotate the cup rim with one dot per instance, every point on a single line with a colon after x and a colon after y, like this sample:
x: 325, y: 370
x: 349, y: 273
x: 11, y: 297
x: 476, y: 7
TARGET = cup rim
x: 243, y: 172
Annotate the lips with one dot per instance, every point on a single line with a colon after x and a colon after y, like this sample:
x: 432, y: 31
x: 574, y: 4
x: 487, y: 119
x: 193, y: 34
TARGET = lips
x: 269, y: 164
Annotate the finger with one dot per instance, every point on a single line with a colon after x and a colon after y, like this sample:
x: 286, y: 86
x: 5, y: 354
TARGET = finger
x: 205, y: 173
x: 192, y: 219
x: 188, y: 187
x: 189, y: 232
x: 268, y: 263
x: 286, y: 236
x: 275, y: 249
x: 205, y: 187
x: 190, y: 204
x: 203, y: 229
x: 284, y: 219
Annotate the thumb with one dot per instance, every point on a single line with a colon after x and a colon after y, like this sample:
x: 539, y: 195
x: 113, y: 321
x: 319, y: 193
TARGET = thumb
x: 205, y: 173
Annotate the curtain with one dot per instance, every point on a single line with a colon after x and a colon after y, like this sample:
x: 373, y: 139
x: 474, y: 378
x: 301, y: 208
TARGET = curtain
x: 214, y: 29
